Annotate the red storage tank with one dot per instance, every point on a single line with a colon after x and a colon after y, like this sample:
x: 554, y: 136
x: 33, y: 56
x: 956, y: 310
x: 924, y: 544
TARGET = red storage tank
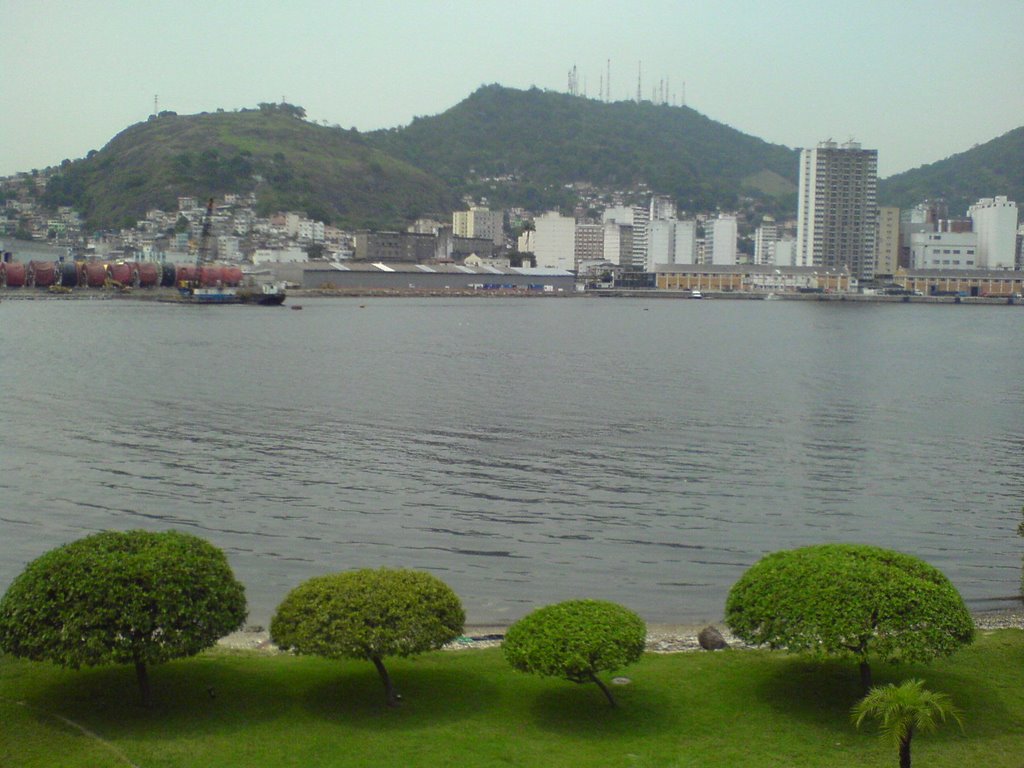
x: 211, y: 276
x: 186, y: 273
x: 124, y: 272
x: 94, y: 274
x: 149, y: 274
x: 232, y: 275
x: 12, y: 274
x: 42, y: 273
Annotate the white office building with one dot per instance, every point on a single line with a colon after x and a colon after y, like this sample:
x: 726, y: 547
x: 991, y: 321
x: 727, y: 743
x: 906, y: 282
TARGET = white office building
x: 837, y: 209
x: 618, y: 242
x: 995, y: 224
x: 720, y: 236
x: 686, y: 242
x: 554, y: 245
x: 944, y: 250
x: 662, y: 207
x: 661, y: 243
x: 785, y: 252
x: 641, y: 218
x: 765, y: 237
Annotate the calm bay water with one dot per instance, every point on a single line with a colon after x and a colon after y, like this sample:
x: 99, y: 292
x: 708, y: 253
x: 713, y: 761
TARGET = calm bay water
x: 525, y: 451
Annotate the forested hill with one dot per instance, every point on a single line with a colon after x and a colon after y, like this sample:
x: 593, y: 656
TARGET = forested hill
x: 545, y: 140
x: 331, y: 174
x: 993, y: 168
x: 515, y: 147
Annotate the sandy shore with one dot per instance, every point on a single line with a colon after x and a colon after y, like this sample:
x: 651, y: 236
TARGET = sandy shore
x: 661, y: 638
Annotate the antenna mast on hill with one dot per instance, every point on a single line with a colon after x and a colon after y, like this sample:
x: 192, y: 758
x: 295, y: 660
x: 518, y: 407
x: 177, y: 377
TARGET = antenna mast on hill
x: 639, y: 81
x: 156, y: 104
x: 608, y: 82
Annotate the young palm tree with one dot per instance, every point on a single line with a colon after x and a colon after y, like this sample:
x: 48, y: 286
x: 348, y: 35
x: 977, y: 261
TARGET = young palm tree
x: 904, y: 710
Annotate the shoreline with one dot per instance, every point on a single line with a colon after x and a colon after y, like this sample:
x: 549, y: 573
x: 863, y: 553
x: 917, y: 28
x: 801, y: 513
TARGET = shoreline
x: 661, y: 638
x: 170, y: 295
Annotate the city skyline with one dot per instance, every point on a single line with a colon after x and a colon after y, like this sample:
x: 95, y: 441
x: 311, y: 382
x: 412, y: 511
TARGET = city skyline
x: 910, y: 78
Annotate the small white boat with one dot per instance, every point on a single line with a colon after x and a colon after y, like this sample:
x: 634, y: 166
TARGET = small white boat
x: 695, y: 294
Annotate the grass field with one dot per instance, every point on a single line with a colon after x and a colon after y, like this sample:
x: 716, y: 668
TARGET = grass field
x: 239, y: 709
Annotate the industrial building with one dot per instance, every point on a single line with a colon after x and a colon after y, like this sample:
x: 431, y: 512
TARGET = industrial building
x: 404, y: 276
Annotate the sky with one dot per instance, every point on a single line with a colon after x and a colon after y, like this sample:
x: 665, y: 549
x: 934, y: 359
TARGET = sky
x: 919, y: 81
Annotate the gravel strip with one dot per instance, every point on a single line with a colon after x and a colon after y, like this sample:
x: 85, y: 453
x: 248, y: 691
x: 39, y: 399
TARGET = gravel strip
x: 661, y: 638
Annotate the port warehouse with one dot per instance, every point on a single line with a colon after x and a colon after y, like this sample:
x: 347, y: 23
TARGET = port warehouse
x: 765, y: 278
x: 428, y: 277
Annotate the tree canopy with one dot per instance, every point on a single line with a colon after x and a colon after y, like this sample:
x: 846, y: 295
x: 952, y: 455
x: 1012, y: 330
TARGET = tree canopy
x: 122, y: 597
x: 369, y: 614
x: 852, y: 600
x: 575, y: 640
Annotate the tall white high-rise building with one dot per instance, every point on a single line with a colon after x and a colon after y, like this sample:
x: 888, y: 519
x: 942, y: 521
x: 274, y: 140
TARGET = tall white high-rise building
x: 618, y: 242
x: 686, y: 242
x: 661, y: 243
x: 995, y: 224
x: 837, y: 210
x: 641, y: 218
x: 554, y: 243
x: 720, y: 244
x: 765, y: 237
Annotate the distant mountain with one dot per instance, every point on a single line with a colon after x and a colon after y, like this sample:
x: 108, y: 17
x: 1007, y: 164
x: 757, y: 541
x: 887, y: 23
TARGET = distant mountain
x: 987, y: 170
x: 540, y: 141
x: 329, y: 173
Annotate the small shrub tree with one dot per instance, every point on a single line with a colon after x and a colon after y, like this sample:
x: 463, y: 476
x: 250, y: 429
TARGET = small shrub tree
x: 369, y: 614
x: 131, y: 597
x: 852, y: 600
x: 903, y: 711
x: 576, y: 640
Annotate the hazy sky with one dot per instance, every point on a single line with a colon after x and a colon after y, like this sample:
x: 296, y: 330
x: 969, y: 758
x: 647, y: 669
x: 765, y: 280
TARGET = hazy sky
x: 919, y: 81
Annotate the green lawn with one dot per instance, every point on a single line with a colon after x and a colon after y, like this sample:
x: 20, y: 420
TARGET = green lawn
x: 733, y: 708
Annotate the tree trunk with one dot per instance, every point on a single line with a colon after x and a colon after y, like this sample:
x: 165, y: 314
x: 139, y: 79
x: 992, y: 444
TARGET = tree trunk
x: 865, y: 675
x: 905, y: 751
x: 604, y: 689
x: 390, y: 695
x: 142, y: 675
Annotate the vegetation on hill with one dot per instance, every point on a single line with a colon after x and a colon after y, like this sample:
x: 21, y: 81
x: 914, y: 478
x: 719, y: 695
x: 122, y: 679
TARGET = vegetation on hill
x: 993, y: 168
x: 329, y: 173
x: 544, y: 140
x: 530, y: 148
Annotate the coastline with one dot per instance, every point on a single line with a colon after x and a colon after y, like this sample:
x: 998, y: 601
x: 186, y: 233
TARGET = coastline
x: 661, y: 638
x: 170, y: 295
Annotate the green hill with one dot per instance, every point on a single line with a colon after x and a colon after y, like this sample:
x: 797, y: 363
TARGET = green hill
x: 539, y: 141
x: 524, y: 148
x: 331, y: 174
x: 993, y: 168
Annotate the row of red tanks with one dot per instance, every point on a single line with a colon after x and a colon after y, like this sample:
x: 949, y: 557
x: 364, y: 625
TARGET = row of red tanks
x: 124, y: 274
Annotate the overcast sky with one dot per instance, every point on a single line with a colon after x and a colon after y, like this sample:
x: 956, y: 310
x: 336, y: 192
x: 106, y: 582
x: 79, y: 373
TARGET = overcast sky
x: 917, y: 80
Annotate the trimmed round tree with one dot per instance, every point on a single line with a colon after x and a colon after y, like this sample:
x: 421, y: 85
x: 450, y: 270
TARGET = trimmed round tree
x: 849, y: 600
x: 369, y: 614
x: 122, y: 597
x: 576, y: 640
